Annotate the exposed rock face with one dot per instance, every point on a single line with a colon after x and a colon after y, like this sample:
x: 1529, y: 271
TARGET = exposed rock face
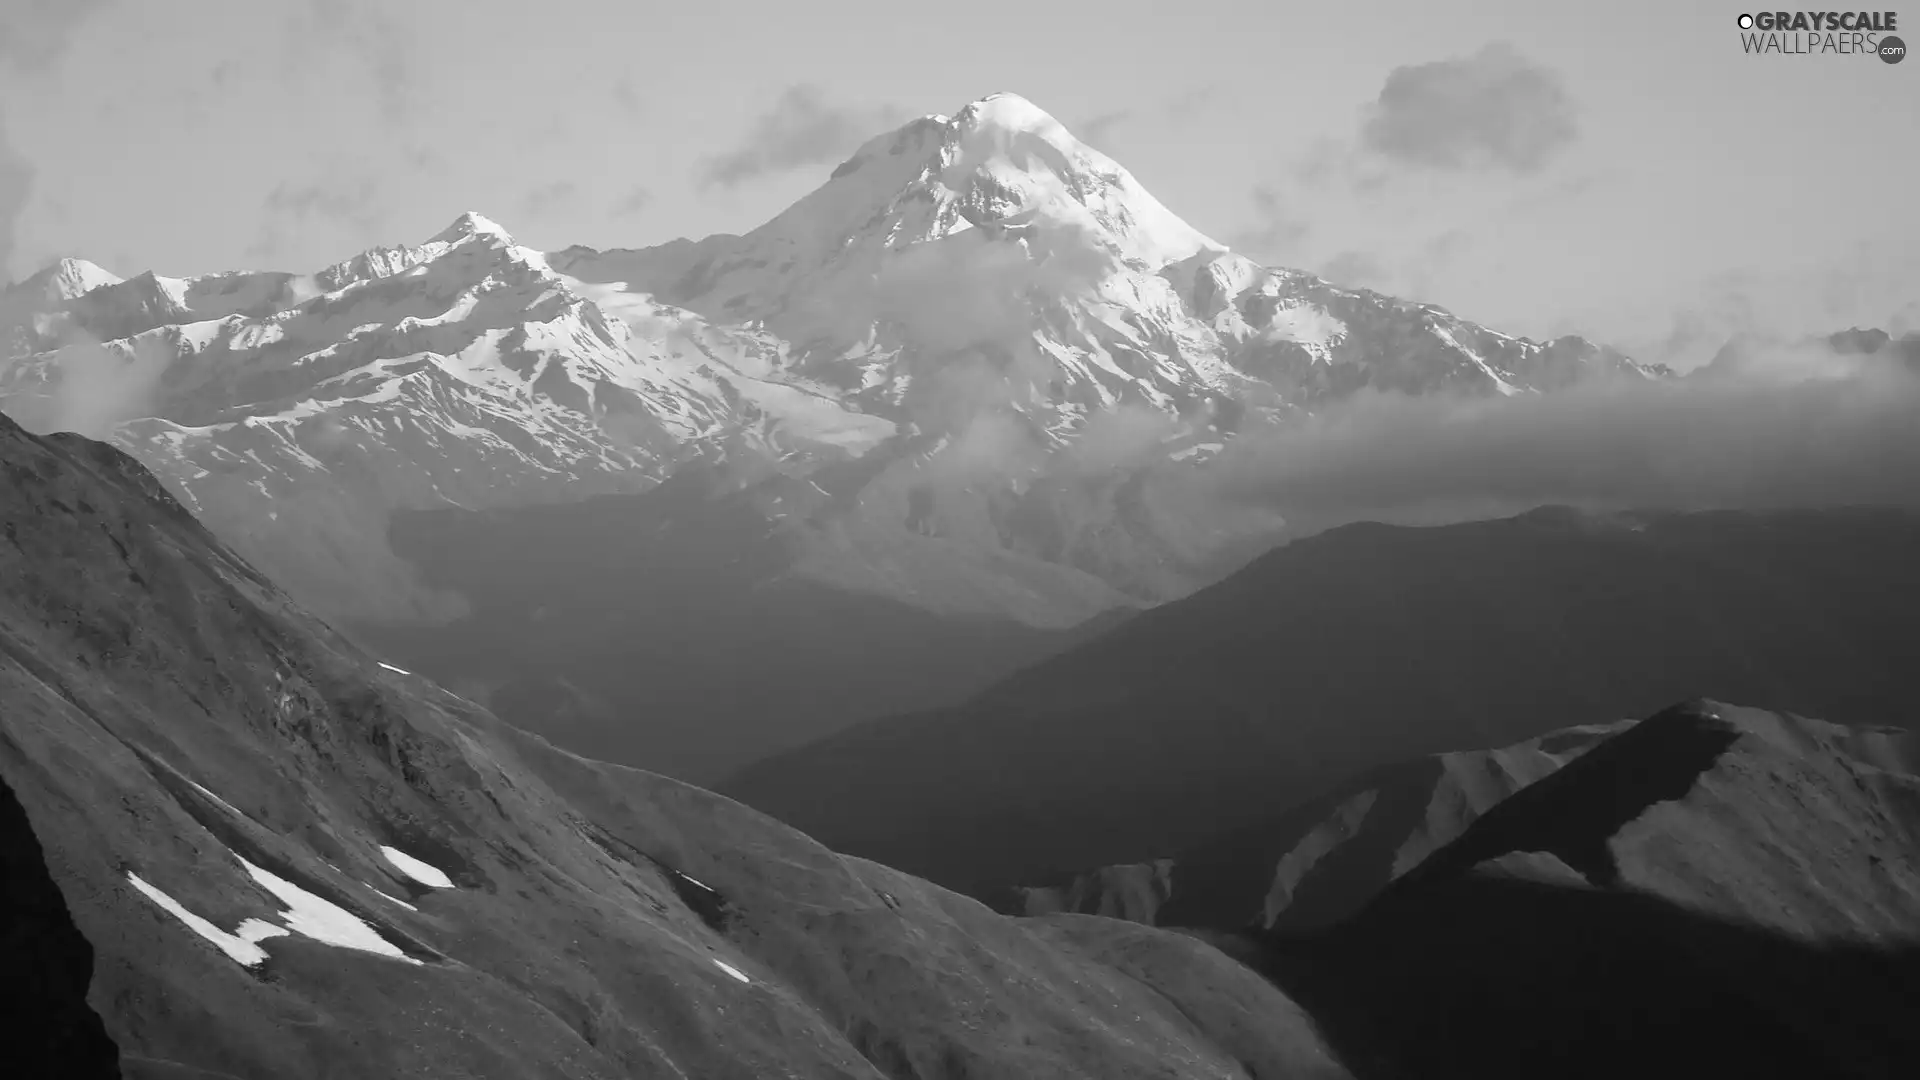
x: 1134, y: 892
x: 293, y: 861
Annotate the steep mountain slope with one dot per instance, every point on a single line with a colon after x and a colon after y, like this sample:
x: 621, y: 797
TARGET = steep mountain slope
x: 294, y: 861
x: 1712, y: 891
x: 1312, y: 865
x: 1339, y: 653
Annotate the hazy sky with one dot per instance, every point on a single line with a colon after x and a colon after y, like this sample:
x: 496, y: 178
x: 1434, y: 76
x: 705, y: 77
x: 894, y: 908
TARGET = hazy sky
x: 1619, y: 169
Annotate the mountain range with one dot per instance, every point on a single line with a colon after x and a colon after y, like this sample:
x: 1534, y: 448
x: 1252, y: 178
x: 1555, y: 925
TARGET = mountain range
x: 337, y: 610
x: 980, y: 372
x: 1711, y: 890
x: 1354, y: 649
x: 237, y: 846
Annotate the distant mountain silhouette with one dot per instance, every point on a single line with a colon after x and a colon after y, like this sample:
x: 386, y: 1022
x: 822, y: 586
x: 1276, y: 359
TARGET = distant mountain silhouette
x: 1357, y: 648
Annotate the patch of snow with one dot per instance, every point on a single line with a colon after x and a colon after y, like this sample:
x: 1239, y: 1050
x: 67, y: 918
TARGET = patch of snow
x: 242, y: 945
x: 391, y: 899
x: 731, y: 970
x: 1197, y: 449
x: 395, y: 670
x: 1505, y: 388
x: 70, y: 278
x: 1308, y: 325
x: 323, y: 920
x: 689, y: 878
x: 229, y: 806
x: 421, y: 872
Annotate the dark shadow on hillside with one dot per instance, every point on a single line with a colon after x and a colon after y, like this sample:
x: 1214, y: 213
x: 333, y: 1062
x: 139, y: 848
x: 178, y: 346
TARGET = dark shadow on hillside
x: 667, y: 631
x: 1574, y: 812
x: 1488, y: 977
x: 46, y: 1026
x: 1352, y: 650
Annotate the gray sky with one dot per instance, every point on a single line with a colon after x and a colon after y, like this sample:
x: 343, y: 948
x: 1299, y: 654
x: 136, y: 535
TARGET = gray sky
x: 1620, y: 169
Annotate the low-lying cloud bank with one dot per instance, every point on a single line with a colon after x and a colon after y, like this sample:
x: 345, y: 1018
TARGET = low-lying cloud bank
x: 1768, y: 428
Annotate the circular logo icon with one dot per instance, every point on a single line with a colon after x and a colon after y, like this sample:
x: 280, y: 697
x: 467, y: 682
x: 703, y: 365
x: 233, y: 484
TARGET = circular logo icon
x: 1746, y: 22
x: 1892, y: 50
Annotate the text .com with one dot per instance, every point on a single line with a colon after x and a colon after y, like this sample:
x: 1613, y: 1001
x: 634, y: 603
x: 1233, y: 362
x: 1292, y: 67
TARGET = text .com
x: 1823, y: 33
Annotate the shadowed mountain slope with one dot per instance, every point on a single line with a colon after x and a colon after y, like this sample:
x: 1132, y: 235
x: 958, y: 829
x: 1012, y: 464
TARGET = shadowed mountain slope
x: 1315, y: 864
x: 292, y: 861
x: 1713, y: 891
x: 1353, y: 649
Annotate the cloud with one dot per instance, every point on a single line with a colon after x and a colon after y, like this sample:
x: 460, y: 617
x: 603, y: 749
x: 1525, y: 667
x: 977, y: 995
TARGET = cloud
x: 988, y: 445
x: 289, y: 207
x: 1095, y: 130
x: 800, y: 128
x: 1276, y: 234
x: 1118, y: 437
x: 970, y: 289
x: 628, y: 98
x: 1684, y: 325
x: 16, y: 188
x: 1321, y: 161
x: 1189, y: 102
x: 1494, y: 109
x: 965, y: 304
x: 368, y: 34
x: 35, y: 34
x: 1780, y: 426
x: 632, y: 202
x: 546, y: 197
x: 1355, y: 269
x: 95, y: 386
x: 1412, y: 276
x: 1420, y: 274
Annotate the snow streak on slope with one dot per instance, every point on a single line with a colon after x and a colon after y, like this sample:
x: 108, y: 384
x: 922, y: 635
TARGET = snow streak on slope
x: 243, y: 945
x: 425, y: 873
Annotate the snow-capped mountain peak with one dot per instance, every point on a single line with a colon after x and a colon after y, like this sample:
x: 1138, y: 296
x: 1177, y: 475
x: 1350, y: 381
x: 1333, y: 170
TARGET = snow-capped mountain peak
x: 1001, y: 167
x: 1021, y: 161
x: 471, y: 225
x: 978, y: 296
x: 67, y: 279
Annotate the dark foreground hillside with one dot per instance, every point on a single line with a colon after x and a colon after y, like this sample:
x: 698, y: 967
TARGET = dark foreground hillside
x: 1358, y: 648
x: 290, y: 861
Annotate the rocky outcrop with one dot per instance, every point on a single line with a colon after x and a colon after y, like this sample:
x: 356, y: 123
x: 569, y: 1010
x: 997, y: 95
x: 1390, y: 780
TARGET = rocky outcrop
x: 1133, y: 892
